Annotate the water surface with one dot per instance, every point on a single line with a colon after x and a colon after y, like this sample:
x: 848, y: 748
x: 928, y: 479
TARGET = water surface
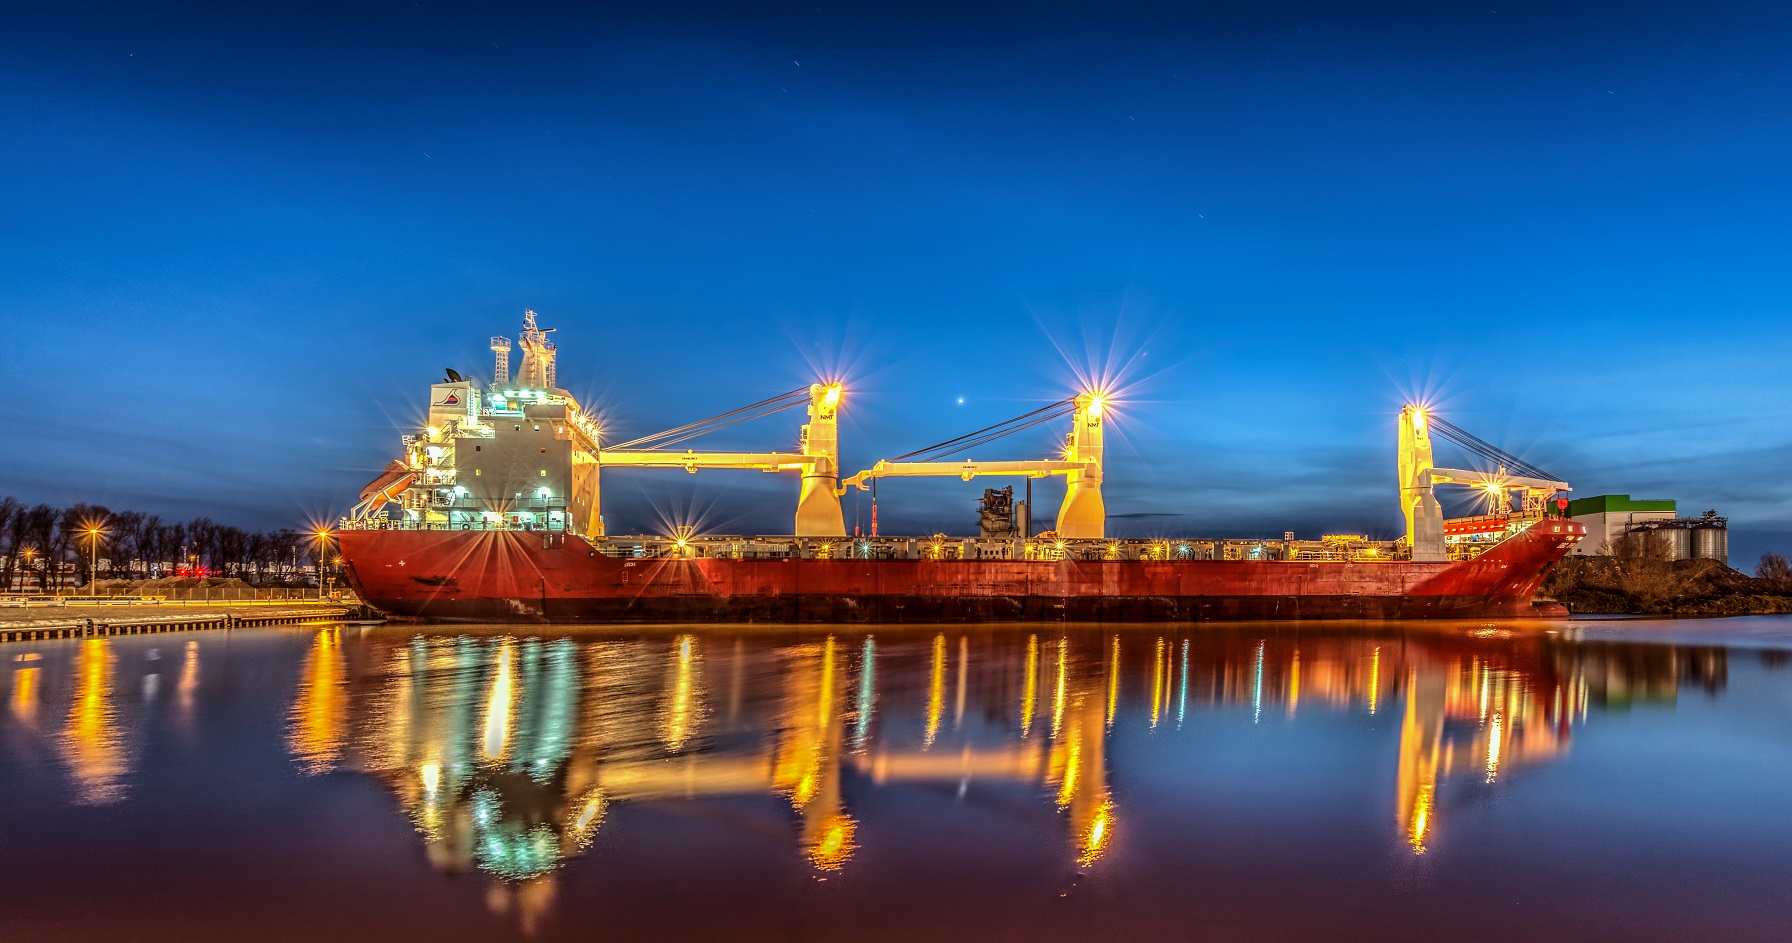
x: 1616, y: 780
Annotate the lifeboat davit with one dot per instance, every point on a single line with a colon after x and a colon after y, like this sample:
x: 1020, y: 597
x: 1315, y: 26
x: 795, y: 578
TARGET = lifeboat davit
x: 388, y: 486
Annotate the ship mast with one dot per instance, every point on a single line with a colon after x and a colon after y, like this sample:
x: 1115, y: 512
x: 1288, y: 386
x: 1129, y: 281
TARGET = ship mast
x: 537, y: 372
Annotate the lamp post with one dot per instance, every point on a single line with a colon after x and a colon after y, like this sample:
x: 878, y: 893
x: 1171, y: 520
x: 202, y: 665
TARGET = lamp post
x: 323, y: 544
x: 93, y: 556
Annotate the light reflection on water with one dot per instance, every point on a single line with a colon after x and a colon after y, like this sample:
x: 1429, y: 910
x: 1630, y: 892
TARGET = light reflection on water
x: 511, y: 755
x: 522, y: 743
x: 320, y: 708
x: 92, y: 744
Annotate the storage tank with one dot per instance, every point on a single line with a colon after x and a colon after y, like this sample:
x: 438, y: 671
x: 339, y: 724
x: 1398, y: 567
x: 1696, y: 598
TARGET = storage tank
x: 1675, y: 541
x: 1711, y: 542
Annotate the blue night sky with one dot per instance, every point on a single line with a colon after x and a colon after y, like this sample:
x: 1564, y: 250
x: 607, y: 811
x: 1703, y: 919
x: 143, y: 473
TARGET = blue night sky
x: 239, y: 241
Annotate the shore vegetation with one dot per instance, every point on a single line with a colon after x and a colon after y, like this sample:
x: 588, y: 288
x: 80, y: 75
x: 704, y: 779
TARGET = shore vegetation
x: 45, y: 548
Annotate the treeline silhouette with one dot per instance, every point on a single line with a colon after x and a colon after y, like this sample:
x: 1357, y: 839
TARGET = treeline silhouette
x: 39, y: 541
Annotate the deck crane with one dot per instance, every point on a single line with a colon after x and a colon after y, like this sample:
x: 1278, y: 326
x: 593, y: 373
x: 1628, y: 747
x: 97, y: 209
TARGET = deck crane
x: 1083, y: 513
x: 818, y: 511
x: 1419, y: 475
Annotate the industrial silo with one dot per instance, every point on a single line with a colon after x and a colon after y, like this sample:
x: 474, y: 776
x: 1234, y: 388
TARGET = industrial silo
x: 1711, y: 541
x: 1675, y: 542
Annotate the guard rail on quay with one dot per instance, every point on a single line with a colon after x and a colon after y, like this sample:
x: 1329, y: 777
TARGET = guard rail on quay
x: 98, y: 628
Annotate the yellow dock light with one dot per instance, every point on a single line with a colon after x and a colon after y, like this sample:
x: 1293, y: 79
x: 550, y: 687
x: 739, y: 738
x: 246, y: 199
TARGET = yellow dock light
x: 93, y: 531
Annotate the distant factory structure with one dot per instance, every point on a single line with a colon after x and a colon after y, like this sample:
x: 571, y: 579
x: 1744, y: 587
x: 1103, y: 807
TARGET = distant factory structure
x: 1610, y: 518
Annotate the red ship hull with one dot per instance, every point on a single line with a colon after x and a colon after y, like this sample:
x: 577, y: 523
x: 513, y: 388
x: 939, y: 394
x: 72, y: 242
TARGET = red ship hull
x: 512, y: 576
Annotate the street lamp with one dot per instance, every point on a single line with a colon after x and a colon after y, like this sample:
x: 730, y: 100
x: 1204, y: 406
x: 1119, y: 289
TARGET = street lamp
x: 323, y: 543
x: 93, y: 555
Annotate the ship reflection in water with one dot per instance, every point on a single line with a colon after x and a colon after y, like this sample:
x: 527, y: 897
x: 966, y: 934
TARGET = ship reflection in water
x: 699, y: 782
x: 508, y: 753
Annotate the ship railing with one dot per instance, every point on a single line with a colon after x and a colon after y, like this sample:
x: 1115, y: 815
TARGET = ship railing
x: 949, y: 548
x: 443, y: 504
x: 1510, y: 517
x: 557, y: 527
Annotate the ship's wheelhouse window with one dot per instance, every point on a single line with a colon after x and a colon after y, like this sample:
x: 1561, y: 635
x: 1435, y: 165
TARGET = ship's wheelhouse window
x: 544, y: 473
x: 538, y: 427
x: 519, y: 427
x: 478, y: 448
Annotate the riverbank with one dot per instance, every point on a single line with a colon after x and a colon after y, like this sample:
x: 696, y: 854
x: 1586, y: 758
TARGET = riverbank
x: 1644, y: 586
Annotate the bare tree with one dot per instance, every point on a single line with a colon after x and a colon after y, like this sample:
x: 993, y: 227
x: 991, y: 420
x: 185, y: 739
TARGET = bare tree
x: 10, y: 509
x: 38, y: 526
x: 1775, y: 569
x: 37, y: 542
x: 127, y: 543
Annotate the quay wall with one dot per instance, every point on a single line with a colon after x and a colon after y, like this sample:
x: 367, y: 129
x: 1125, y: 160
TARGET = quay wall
x: 140, y: 623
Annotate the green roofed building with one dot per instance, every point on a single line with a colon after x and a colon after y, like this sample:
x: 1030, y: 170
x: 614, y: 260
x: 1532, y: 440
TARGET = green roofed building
x: 1610, y: 516
x: 1616, y: 503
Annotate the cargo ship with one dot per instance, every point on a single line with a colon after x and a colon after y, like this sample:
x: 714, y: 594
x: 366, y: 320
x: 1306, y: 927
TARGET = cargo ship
x: 493, y: 514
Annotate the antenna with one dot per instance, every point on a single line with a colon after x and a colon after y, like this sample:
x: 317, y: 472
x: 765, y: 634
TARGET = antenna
x: 537, y: 372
